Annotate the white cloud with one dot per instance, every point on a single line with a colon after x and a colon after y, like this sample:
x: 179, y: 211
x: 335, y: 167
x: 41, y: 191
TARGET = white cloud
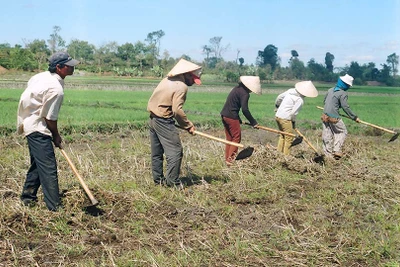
x: 391, y: 46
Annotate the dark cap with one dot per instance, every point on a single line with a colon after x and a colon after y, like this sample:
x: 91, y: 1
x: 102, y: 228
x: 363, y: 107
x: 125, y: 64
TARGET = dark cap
x: 62, y: 58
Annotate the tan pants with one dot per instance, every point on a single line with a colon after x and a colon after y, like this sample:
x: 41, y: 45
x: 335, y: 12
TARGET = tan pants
x: 333, y: 137
x: 284, y: 140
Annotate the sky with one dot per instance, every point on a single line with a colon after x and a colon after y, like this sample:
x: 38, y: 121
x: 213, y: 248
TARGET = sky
x: 352, y: 30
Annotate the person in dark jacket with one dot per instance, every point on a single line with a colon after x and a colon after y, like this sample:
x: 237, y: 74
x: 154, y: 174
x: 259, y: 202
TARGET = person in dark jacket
x: 334, y: 130
x: 238, y: 99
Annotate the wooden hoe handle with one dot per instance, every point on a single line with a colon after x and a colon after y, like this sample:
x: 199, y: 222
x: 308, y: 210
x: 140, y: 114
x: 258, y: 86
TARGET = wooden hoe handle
x: 308, y: 142
x: 275, y: 131
x: 366, y: 123
x: 377, y: 127
x: 219, y: 139
x: 85, y: 187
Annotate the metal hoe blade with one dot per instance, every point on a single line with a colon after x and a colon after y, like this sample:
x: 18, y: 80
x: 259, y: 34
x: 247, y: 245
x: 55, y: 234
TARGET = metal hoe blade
x: 394, y: 137
x: 297, y: 141
x: 319, y: 158
x: 245, y: 153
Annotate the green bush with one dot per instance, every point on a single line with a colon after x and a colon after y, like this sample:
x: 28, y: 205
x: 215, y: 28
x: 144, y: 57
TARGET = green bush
x: 231, y: 77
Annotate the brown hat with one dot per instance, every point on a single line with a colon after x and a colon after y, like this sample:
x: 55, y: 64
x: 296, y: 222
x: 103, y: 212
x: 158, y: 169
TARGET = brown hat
x: 184, y: 66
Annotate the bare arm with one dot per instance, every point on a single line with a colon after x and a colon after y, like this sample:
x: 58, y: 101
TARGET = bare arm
x: 52, y: 125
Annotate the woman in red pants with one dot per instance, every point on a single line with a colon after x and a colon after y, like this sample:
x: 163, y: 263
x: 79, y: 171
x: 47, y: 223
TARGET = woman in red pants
x: 238, y: 99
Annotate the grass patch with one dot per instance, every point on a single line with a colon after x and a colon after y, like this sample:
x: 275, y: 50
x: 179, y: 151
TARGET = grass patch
x: 266, y: 210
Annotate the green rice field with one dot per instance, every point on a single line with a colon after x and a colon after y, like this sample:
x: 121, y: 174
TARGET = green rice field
x: 124, y: 105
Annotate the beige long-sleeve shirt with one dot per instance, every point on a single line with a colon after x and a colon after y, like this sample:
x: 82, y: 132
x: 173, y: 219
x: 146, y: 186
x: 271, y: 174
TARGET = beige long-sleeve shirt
x: 168, y: 98
x: 41, y: 100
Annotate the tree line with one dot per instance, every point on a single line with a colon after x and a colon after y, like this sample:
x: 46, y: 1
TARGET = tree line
x: 143, y: 58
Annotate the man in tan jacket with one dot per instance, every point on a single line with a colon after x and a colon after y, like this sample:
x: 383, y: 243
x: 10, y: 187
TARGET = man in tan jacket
x: 165, y: 107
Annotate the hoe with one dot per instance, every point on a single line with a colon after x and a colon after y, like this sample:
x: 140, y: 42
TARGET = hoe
x: 394, y: 137
x: 297, y: 139
x: 92, y: 210
x: 245, y: 153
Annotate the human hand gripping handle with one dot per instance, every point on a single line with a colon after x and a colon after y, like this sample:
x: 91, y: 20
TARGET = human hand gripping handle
x: 57, y: 140
x: 192, y: 130
x: 52, y: 126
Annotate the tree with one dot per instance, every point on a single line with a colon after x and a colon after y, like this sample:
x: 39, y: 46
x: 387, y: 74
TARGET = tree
x: 216, y: 47
x: 237, y: 56
x: 143, y: 54
x: 126, y: 52
x: 56, y: 42
x: 393, y: 61
x: 167, y: 62
x: 137, y: 55
x: 81, y: 50
x: 39, y: 50
x: 188, y: 58
x: 5, y: 45
x: 241, y: 61
x: 206, y: 51
x: 329, y: 58
x: 105, y: 55
x: 154, y: 40
x: 5, y: 49
x: 294, y: 54
x: 355, y: 70
x: 317, y: 72
x: 384, y: 75
x: 214, y: 52
x: 269, y: 56
x: 370, y: 72
x: 22, y: 59
x: 212, y: 62
x: 297, y: 67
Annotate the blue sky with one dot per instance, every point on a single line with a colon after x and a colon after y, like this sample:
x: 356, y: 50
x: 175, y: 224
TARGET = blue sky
x: 352, y: 30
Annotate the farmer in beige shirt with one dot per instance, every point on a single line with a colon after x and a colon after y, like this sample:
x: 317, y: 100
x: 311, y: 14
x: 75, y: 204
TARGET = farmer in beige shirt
x: 165, y: 107
x: 38, y: 110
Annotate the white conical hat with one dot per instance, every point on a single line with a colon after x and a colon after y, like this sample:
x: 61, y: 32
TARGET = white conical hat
x: 252, y: 82
x: 347, y: 79
x: 184, y: 66
x: 306, y: 88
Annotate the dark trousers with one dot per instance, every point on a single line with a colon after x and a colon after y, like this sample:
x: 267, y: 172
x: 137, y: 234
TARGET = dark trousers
x: 164, y: 138
x: 42, y: 172
x: 233, y: 133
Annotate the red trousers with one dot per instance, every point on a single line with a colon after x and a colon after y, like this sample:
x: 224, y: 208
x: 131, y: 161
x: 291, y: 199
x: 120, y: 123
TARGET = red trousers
x: 233, y: 133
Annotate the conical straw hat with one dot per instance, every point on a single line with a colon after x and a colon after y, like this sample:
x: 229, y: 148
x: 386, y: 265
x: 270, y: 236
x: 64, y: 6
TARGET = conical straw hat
x: 252, y: 82
x: 183, y: 66
x: 306, y: 88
